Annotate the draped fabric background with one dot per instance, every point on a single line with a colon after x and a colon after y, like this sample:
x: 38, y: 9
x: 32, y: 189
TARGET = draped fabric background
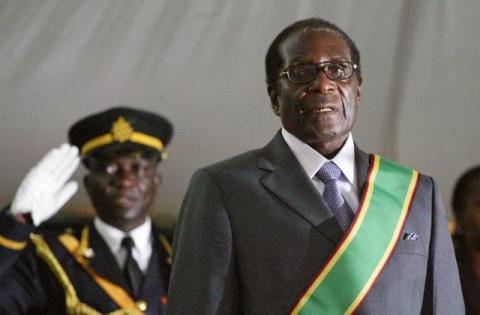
x: 200, y: 63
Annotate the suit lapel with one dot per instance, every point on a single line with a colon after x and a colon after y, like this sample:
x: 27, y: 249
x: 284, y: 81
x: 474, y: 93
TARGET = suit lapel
x: 362, y: 163
x: 286, y: 179
x: 103, y: 262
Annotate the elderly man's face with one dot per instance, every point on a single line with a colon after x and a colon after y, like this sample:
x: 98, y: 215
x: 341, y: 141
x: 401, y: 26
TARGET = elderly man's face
x: 122, y: 189
x: 322, y: 112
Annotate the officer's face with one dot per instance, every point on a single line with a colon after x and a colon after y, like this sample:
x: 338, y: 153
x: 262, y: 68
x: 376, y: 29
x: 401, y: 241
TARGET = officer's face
x: 122, y: 189
x: 321, y: 112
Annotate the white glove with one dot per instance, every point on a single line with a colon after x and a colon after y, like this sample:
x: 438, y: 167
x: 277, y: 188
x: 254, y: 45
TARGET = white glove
x: 45, y: 189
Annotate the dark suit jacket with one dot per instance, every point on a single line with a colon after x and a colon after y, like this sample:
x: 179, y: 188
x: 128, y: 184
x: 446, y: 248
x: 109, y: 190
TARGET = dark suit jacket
x: 29, y: 287
x: 253, y: 232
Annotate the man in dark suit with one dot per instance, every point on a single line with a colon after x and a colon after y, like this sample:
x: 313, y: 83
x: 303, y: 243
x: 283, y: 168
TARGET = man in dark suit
x: 119, y: 263
x: 311, y: 224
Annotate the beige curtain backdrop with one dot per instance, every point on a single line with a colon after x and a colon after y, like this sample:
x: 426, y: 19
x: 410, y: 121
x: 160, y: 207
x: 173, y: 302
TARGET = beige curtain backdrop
x: 200, y: 63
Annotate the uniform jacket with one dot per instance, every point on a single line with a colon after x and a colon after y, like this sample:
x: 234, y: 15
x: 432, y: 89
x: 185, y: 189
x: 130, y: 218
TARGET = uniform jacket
x: 29, y: 287
x: 253, y: 232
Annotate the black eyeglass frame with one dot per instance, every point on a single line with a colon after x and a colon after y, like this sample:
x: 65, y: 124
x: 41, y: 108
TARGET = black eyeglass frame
x: 319, y: 67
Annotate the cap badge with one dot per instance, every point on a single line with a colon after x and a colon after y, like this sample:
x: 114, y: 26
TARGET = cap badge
x: 121, y: 130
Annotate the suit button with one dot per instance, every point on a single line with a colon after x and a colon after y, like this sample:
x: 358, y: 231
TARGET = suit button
x: 142, y: 305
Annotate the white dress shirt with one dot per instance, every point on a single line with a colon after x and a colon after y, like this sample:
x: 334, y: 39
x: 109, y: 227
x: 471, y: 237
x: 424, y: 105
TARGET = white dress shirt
x: 311, y: 161
x: 141, y: 235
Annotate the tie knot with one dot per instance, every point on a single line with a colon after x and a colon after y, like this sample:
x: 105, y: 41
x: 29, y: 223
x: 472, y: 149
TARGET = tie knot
x: 329, y: 171
x: 128, y: 243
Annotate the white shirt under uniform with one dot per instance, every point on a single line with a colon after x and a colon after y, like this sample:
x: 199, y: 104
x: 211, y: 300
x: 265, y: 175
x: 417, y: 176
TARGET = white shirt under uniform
x: 141, y: 235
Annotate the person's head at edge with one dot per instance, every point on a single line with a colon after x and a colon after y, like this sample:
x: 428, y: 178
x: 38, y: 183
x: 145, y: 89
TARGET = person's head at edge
x: 320, y: 112
x: 122, y: 177
x: 466, y: 207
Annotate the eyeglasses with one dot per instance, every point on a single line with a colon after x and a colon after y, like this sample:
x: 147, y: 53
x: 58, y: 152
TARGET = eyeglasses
x: 304, y: 73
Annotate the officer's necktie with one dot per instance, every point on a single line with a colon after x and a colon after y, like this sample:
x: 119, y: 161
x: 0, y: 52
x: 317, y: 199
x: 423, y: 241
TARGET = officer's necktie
x: 131, y: 271
x: 328, y: 174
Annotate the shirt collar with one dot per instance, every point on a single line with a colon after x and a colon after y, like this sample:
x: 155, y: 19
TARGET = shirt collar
x: 311, y: 161
x: 141, y: 235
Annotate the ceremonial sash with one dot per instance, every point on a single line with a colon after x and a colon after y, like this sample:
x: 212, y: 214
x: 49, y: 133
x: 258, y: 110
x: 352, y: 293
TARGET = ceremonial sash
x: 72, y: 302
x: 344, y: 281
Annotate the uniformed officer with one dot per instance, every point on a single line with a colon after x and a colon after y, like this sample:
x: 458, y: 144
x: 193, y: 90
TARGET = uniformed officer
x: 118, y: 264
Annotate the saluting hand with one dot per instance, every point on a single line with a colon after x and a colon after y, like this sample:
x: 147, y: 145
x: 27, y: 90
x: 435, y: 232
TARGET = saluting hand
x: 45, y: 189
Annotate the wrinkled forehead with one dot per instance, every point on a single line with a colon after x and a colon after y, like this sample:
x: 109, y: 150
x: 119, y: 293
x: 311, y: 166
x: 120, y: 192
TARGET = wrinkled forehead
x: 314, y: 44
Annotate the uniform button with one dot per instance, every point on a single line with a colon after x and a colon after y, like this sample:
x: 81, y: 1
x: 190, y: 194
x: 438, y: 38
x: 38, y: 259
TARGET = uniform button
x: 88, y: 253
x: 164, y: 300
x: 142, y: 305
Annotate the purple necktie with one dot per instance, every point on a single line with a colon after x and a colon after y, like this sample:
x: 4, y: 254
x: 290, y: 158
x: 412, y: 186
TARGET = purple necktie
x: 329, y: 174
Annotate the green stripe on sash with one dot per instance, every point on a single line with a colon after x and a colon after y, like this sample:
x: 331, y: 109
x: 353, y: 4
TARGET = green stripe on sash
x: 346, y: 278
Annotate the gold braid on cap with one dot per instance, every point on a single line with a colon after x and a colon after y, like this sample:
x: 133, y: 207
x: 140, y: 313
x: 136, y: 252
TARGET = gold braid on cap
x: 121, y: 132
